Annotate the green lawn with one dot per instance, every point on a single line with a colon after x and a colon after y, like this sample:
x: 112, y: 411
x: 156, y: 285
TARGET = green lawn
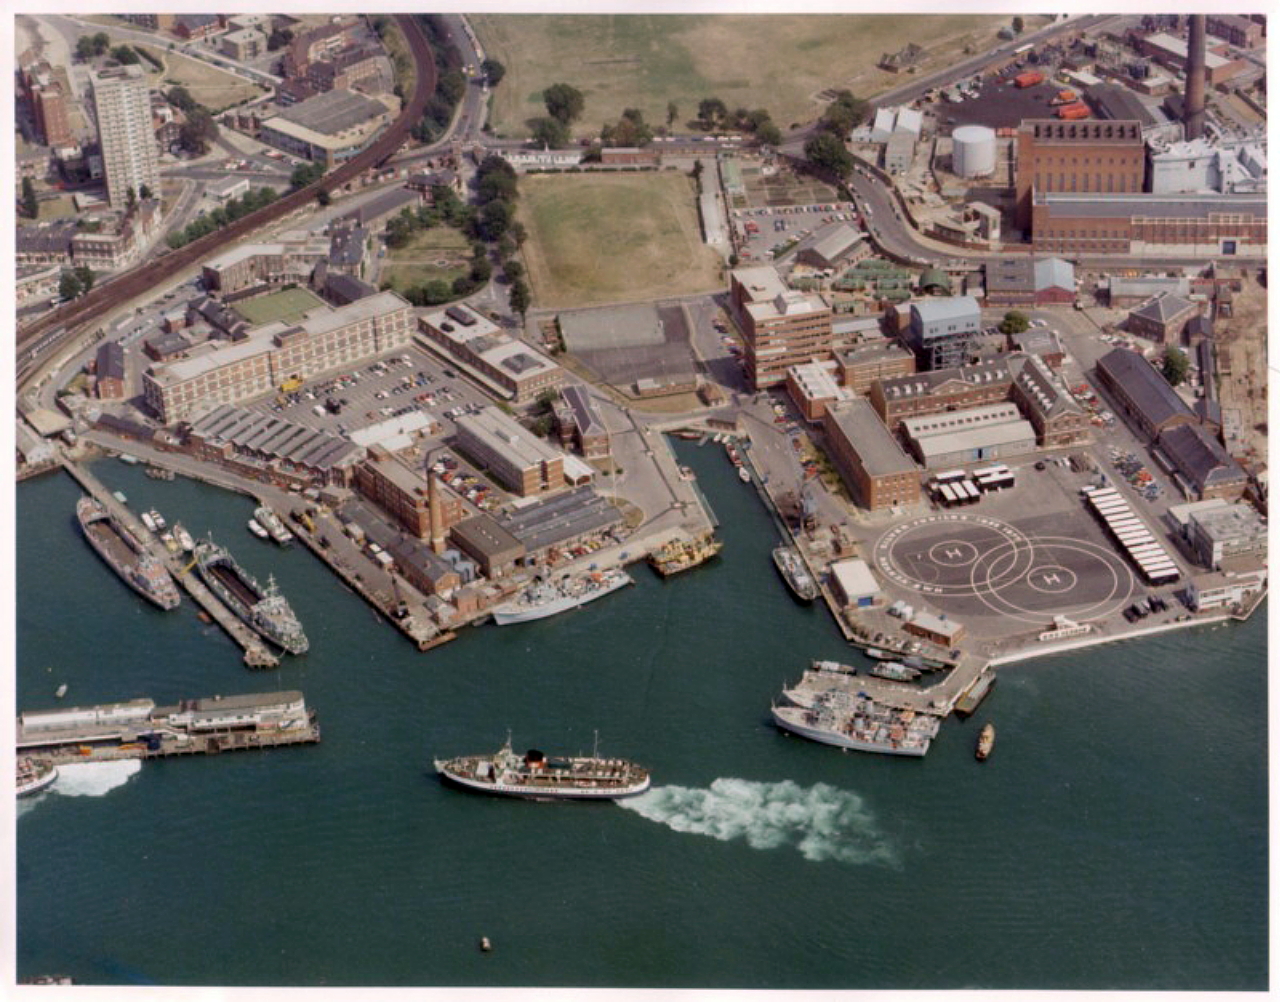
x: 440, y: 253
x: 288, y: 305
x: 778, y: 62
x: 604, y: 237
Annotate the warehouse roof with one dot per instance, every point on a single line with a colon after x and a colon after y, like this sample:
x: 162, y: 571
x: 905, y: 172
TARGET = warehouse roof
x: 1146, y: 387
x: 334, y: 112
x: 1140, y: 206
x: 1198, y: 456
x: 878, y: 450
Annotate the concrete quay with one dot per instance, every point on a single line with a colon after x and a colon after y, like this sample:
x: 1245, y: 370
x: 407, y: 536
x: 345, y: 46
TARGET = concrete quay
x: 256, y: 653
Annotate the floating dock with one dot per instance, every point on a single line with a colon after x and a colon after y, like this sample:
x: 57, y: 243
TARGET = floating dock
x: 140, y: 729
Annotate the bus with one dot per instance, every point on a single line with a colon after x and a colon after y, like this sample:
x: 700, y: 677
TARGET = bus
x: 994, y: 468
x: 971, y: 493
x: 994, y: 481
x: 949, y: 477
x: 947, y: 495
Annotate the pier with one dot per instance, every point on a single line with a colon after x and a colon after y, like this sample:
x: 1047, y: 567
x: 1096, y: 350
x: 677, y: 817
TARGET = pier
x: 140, y: 729
x: 256, y: 653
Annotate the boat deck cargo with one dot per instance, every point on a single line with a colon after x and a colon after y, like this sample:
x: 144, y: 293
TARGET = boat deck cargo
x: 125, y: 555
x: 793, y: 570
x: 680, y: 554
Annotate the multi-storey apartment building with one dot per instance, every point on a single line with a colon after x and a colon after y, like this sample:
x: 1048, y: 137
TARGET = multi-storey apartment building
x: 781, y: 327
x: 227, y: 373
x: 122, y: 103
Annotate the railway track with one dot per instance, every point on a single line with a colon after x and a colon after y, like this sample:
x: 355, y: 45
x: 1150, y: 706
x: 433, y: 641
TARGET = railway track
x: 101, y: 300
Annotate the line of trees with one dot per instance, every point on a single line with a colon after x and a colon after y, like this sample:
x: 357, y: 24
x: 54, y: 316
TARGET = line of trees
x: 235, y: 208
x: 451, y: 84
x: 30, y: 203
x: 826, y: 147
x: 90, y: 46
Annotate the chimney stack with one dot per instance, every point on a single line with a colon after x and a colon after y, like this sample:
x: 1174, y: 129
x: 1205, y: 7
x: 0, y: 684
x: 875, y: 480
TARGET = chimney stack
x: 1193, y: 101
x: 436, y: 514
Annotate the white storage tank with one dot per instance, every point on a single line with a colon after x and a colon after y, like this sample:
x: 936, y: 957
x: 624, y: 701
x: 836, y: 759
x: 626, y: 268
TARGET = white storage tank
x: 973, y: 151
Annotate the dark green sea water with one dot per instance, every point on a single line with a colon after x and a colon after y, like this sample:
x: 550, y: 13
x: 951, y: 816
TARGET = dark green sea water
x: 1117, y: 838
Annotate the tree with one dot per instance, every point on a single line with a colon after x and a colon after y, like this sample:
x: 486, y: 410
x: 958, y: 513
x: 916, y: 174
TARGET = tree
x: 68, y: 286
x: 673, y: 112
x: 100, y: 43
x: 519, y: 297
x: 513, y: 270
x: 493, y: 71
x: 305, y: 174
x: 124, y: 55
x: 144, y: 191
x: 844, y: 114
x: 323, y: 197
x: 826, y: 150
x: 1017, y: 25
x: 495, y: 180
x: 551, y: 133
x: 451, y: 87
x: 564, y: 103
x: 84, y: 276
x: 1175, y: 365
x: 199, y: 130
x: 518, y: 233
x: 711, y: 110
x: 130, y: 201
x: 84, y: 48
x: 769, y: 135
x: 30, y: 204
x: 181, y: 98
x: 1014, y: 322
x: 278, y: 39
x: 495, y: 219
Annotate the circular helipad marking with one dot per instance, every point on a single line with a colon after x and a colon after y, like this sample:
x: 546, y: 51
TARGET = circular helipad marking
x: 1052, y: 579
x: 953, y: 553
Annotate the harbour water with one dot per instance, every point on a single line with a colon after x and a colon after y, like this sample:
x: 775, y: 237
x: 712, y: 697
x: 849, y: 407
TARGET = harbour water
x: 1116, y: 839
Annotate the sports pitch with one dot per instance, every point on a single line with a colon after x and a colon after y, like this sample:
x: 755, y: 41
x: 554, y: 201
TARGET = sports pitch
x: 287, y: 305
x: 608, y: 238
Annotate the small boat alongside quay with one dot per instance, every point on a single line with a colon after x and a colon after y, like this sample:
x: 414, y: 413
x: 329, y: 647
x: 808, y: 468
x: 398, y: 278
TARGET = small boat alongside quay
x: 275, y: 528
x: 795, y: 573
x: 547, y: 598
x: 895, y: 671
x: 537, y: 776
x: 254, y: 526
x: 681, y: 554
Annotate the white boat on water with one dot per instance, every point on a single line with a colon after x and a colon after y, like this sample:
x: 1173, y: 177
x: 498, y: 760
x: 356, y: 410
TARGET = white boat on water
x: 256, y: 528
x: 270, y: 521
x: 744, y: 474
x: 869, y: 729
x: 183, y: 537
x: 148, y: 520
x: 34, y: 775
x: 159, y: 520
x: 546, y: 598
x: 538, y: 776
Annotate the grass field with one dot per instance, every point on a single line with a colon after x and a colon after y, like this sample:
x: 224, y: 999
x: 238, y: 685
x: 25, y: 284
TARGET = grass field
x: 438, y: 253
x: 216, y: 89
x: 288, y: 305
x: 602, y: 238
x: 778, y: 62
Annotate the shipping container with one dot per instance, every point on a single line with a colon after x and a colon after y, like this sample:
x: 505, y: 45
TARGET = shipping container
x: 1028, y: 79
x: 1071, y: 112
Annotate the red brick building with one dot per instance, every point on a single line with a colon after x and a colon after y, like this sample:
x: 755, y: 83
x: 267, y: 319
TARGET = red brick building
x: 1105, y: 157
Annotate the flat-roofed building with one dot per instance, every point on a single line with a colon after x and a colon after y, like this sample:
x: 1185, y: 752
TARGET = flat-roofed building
x: 248, y: 265
x: 1200, y: 465
x: 509, y: 366
x: 122, y: 106
x: 1242, y: 32
x: 1226, y: 530
x: 1020, y: 281
x: 1138, y: 224
x: 813, y: 387
x: 921, y: 393
x: 329, y: 128
x: 1076, y: 156
x: 878, y: 473
x: 942, y: 330
x: 356, y: 65
x: 1141, y: 393
x: 1049, y: 406
x: 938, y: 629
x: 1171, y: 51
x: 243, y: 44
x: 781, y: 327
x: 522, y: 462
x: 956, y: 438
x: 323, y: 341
x: 862, y: 365
x: 487, y: 543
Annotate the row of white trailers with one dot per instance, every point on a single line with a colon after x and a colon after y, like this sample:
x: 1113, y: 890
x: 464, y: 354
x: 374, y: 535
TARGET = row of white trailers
x: 956, y: 487
x: 1151, y: 558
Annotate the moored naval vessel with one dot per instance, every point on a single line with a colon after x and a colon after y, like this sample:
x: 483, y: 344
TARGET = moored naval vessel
x: 681, y: 554
x: 848, y: 721
x: 125, y: 555
x: 794, y: 572
x: 264, y: 610
x: 538, y: 776
x: 546, y: 598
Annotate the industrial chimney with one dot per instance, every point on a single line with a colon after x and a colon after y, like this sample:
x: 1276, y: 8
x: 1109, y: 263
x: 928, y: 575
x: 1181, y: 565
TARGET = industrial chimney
x: 1193, y: 102
x: 435, y: 513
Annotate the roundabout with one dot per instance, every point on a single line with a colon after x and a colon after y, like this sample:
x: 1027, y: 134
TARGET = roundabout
x: 973, y: 566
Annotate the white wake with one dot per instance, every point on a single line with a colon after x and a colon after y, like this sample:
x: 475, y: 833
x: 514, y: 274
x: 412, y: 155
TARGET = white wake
x: 820, y: 822
x: 94, y: 779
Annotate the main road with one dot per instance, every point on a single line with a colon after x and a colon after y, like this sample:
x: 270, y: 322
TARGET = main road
x: 40, y: 340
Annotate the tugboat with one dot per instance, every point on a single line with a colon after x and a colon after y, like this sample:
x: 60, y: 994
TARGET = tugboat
x: 537, y: 776
x: 986, y: 740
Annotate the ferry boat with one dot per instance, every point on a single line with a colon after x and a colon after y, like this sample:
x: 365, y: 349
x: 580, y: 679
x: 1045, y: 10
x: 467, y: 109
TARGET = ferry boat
x: 263, y: 610
x: 794, y: 572
x: 34, y: 775
x: 253, y: 526
x: 546, y: 598
x: 866, y: 726
x: 681, y: 554
x: 894, y: 670
x: 986, y: 741
x: 270, y: 521
x: 537, y: 776
x: 125, y: 555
